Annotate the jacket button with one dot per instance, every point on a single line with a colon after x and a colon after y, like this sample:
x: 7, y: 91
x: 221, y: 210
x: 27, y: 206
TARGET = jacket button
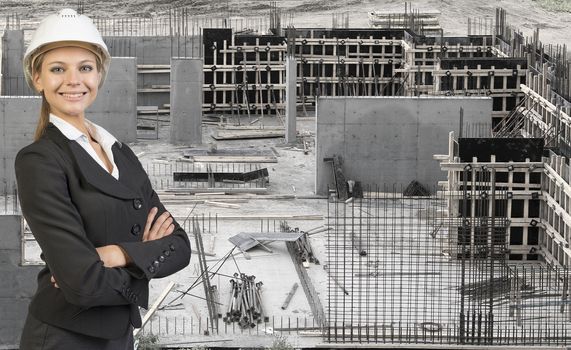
x: 136, y: 229
x: 156, y: 263
x: 167, y: 252
x: 137, y: 203
x: 171, y: 247
x: 151, y: 269
x: 162, y: 258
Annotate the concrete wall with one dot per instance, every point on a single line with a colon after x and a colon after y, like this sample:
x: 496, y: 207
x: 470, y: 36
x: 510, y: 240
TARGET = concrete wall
x: 390, y: 140
x: 186, y: 100
x: 115, y: 108
x: 153, y: 49
x: 13, y: 81
x: 18, y: 282
x: 18, y: 119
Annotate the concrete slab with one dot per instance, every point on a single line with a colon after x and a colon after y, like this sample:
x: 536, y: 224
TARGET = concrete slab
x: 390, y: 140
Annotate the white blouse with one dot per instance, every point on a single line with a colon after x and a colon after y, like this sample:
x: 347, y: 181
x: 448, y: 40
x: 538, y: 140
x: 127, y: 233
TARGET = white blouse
x: 102, y: 136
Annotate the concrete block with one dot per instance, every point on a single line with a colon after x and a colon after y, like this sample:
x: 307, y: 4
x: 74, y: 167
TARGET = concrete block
x: 18, y: 119
x: 10, y: 228
x: 14, y: 312
x: 18, y: 282
x: 390, y: 140
x: 115, y: 108
x: 186, y: 101
x: 13, y: 81
x: 291, y: 98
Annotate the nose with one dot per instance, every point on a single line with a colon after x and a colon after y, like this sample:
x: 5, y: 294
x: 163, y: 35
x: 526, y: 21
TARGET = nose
x: 72, y: 77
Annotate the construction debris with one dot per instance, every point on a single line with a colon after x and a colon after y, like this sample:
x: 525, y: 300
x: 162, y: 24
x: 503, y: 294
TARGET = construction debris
x: 289, y: 296
x: 415, y: 188
x: 246, y: 240
x: 301, y: 245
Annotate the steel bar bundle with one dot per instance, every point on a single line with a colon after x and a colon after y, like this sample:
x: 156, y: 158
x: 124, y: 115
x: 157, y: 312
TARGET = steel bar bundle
x: 245, y: 305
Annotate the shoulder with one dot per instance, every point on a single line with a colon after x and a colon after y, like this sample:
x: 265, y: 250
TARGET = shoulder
x: 42, y: 150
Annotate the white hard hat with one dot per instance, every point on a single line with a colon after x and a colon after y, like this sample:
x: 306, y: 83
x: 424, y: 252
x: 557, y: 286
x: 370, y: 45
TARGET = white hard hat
x: 66, y: 28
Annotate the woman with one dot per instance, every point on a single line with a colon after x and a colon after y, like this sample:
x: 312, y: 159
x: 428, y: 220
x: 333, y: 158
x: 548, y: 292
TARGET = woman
x: 88, y: 201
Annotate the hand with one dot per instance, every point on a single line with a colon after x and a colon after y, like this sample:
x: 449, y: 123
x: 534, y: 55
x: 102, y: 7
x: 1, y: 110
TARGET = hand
x: 53, y: 280
x: 162, y: 227
x: 113, y: 256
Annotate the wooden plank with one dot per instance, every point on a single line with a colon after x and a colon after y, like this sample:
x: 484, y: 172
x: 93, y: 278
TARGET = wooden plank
x: 259, y: 190
x: 153, y: 66
x: 154, y: 71
x: 234, y: 159
x: 152, y: 90
x: 247, y: 134
x: 241, y: 217
x: 222, y: 205
x: 154, y: 308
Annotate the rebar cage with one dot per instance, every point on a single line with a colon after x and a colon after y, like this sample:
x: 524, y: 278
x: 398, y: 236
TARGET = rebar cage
x: 409, y: 270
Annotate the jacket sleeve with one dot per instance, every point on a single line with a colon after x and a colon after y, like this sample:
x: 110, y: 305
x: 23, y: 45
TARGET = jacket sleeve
x: 161, y: 257
x: 57, y: 226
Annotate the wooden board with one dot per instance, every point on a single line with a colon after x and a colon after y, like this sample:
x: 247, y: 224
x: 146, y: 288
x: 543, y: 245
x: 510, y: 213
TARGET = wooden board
x: 234, y: 159
x: 247, y: 134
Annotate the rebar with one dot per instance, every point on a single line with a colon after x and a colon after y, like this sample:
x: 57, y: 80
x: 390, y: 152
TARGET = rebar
x: 245, y: 306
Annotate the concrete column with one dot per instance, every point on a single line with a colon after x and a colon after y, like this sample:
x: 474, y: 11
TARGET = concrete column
x: 115, y: 108
x: 18, y: 282
x: 291, y: 97
x: 186, y: 100
x: 13, y: 81
x: 18, y: 119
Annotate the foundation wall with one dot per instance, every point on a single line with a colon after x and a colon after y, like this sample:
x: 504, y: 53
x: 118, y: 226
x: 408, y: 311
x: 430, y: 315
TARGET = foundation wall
x: 392, y: 140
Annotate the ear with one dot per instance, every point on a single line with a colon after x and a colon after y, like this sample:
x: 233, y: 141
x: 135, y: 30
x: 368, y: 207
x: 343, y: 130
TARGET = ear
x: 37, y: 82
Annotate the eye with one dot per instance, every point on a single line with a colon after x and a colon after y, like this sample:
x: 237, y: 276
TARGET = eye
x: 56, y: 69
x: 86, y: 68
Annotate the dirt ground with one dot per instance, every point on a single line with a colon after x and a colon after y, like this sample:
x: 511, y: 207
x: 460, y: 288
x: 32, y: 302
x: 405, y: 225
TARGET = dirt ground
x: 523, y: 14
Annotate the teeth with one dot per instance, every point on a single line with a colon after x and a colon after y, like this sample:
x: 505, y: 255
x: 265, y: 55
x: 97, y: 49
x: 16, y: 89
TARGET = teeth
x: 72, y: 95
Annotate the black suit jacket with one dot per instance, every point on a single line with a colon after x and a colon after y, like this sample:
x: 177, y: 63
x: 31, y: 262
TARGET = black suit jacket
x: 72, y: 206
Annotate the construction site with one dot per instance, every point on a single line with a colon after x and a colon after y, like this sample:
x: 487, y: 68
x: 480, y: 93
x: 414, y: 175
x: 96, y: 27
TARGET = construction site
x: 378, y: 186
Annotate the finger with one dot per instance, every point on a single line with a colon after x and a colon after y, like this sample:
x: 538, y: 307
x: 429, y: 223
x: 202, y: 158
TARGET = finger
x: 155, y: 231
x: 164, y: 228
x: 52, y: 279
x: 150, y: 218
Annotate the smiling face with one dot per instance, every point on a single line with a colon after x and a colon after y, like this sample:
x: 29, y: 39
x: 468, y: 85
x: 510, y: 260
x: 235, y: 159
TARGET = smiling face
x: 69, y: 78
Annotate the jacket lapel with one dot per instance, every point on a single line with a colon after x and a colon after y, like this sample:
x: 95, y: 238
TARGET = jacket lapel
x: 90, y: 170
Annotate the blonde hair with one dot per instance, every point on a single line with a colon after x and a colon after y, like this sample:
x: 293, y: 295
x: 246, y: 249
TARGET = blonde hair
x: 45, y: 109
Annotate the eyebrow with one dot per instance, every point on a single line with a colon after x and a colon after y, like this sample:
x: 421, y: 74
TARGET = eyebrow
x: 63, y: 63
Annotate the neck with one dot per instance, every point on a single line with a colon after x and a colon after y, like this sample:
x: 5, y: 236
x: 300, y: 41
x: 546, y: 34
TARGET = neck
x: 78, y: 122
